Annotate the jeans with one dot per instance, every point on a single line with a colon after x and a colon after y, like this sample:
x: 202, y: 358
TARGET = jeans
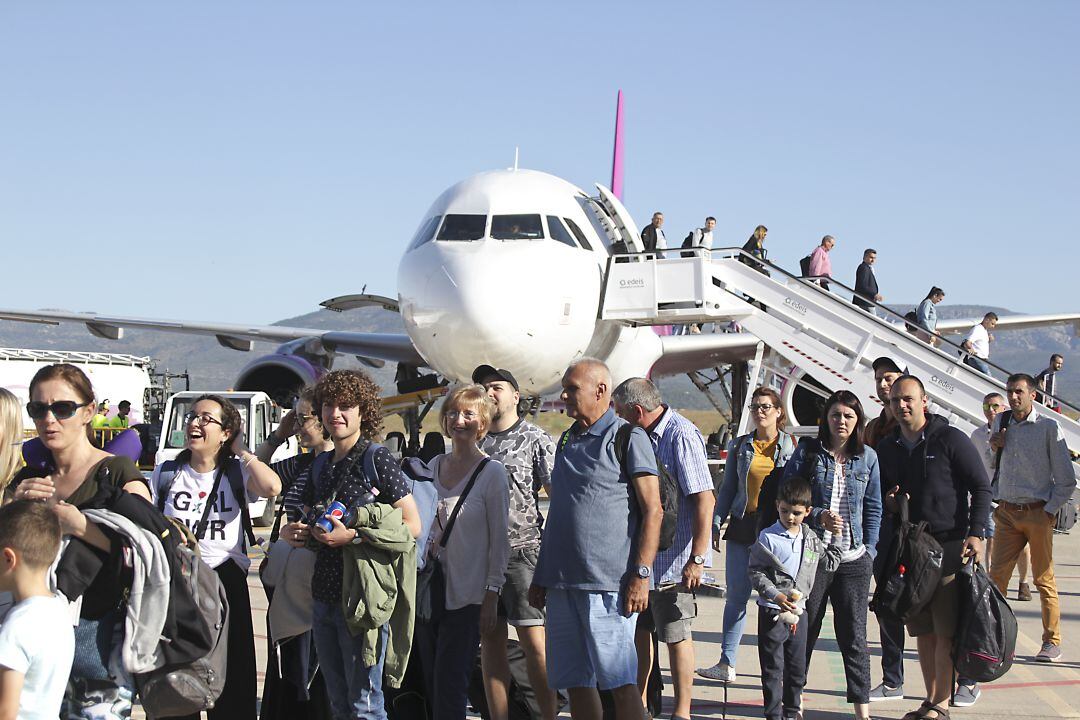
x: 355, y: 691
x: 737, y: 575
x: 977, y: 363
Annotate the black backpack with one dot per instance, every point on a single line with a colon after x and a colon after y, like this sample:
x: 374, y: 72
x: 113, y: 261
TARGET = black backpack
x: 911, y: 571
x: 669, y: 487
x: 985, y: 642
x: 804, y: 266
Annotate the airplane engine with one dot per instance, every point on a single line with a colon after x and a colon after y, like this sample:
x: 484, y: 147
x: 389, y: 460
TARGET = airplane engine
x: 282, y: 374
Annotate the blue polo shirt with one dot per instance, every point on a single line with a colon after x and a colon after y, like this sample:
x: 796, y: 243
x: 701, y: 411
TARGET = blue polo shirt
x: 589, y: 533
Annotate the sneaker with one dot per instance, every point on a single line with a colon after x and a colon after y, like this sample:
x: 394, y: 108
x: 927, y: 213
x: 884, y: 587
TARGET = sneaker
x: 1024, y: 593
x: 1049, y: 653
x: 966, y: 695
x: 884, y: 692
x: 720, y: 671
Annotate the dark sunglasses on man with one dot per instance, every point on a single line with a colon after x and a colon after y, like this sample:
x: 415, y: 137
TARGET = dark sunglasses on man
x: 61, y: 409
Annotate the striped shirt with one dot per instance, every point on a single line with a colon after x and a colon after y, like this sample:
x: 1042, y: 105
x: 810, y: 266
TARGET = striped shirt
x: 680, y: 447
x: 839, y: 502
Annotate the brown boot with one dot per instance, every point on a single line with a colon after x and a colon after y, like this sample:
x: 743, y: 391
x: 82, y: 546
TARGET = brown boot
x: 1024, y: 593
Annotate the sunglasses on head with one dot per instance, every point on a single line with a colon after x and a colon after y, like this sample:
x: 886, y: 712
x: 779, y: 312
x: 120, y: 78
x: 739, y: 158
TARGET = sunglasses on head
x: 61, y: 409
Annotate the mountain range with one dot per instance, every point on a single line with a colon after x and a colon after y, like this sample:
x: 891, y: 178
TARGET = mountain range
x: 213, y: 367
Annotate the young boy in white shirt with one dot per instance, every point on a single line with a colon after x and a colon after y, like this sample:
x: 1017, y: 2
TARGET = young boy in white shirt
x: 37, y: 638
x: 783, y: 564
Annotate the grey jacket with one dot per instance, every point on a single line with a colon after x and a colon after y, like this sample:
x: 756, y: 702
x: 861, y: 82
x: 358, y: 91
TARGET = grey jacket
x: 1035, y: 463
x: 149, y: 597
x: 769, y: 577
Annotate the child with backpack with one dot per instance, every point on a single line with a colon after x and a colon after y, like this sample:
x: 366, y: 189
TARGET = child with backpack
x: 208, y: 488
x: 37, y: 639
x: 783, y: 564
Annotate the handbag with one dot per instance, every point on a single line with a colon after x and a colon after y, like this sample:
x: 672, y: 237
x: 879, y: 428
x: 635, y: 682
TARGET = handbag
x: 742, y: 530
x: 431, y: 579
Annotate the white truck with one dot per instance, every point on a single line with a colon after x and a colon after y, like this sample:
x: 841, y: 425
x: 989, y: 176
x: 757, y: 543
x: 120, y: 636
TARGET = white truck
x: 115, y: 377
x: 260, y: 416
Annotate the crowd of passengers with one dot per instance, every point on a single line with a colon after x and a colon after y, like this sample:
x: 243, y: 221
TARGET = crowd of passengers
x: 386, y: 580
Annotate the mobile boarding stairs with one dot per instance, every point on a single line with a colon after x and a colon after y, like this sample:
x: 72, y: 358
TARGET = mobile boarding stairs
x: 824, y: 335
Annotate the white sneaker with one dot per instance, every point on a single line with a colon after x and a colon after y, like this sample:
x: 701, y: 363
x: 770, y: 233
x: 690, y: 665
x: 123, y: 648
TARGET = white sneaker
x: 720, y: 671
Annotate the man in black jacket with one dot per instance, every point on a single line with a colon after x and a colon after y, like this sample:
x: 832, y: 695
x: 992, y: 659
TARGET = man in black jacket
x: 938, y: 468
x: 866, y: 287
x: 652, y: 237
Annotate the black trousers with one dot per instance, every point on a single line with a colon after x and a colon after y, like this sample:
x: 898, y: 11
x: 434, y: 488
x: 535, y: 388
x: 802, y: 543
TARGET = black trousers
x: 238, y: 699
x: 848, y: 589
x: 782, y: 656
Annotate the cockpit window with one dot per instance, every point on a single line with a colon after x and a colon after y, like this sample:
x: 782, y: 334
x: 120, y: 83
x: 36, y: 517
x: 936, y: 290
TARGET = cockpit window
x: 578, y: 234
x: 516, y: 227
x: 462, y: 228
x: 425, y: 232
x: 558, y: 231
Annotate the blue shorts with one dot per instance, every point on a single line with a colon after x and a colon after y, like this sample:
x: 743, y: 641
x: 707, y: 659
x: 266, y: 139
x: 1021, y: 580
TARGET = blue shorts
x: 589, y: 644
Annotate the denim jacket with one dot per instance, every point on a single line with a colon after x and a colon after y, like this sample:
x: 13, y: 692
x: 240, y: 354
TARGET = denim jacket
x: 863, y: 486
x: 731, y: 498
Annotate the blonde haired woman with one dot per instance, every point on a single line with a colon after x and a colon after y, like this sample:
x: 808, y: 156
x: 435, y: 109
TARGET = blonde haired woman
x: 11, y: 435
x: 474, y: 506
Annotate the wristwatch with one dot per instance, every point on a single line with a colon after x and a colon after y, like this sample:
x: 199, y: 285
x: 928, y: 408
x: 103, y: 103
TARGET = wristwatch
x: 697, y: 559
x: 644, y: 571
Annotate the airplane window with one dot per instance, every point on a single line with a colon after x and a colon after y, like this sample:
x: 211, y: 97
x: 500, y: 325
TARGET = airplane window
x: 516, y: 227
x: 462, y: 228
x: 558, y: 231
x: 578, y: 234
x: 425, y: 232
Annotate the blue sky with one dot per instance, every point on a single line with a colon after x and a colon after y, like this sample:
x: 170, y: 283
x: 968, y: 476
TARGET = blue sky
x: 242, y: 161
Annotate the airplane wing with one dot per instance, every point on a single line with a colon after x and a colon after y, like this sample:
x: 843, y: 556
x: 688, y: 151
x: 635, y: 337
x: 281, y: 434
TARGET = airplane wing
x: 685, y: 353
x: 383, y: 346
x: 1011, y: 322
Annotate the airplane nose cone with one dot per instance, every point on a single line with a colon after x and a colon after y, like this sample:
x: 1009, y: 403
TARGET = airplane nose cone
x: 503, y: 304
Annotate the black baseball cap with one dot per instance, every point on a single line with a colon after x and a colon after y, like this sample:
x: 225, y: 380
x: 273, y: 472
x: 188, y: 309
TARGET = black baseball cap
x: 483, y: 372
x: 887, y: 364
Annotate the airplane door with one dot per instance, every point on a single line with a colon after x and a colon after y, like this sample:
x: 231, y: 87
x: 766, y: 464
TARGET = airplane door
x: 624, y: 224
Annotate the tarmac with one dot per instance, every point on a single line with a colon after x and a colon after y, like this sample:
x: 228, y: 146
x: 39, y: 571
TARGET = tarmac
x: 1028, y: 690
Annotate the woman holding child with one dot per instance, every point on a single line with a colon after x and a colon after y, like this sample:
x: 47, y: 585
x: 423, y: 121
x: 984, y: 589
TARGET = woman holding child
x: 846, y: 514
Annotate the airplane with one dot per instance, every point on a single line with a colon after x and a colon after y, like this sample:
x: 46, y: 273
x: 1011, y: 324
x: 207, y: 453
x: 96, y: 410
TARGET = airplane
x: 550, y: 237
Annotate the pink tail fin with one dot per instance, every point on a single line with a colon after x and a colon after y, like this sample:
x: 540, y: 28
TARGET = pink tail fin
x: 617, y: 158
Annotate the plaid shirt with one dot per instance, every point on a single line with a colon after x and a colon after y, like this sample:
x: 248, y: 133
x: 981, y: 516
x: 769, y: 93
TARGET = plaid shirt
x: 679, y: 445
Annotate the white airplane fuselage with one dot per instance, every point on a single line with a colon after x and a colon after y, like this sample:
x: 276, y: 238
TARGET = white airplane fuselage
x: 515, y: 288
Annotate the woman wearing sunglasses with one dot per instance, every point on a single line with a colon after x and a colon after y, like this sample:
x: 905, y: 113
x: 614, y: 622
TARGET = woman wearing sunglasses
x: 291, y: 689
x: 751, y: 458
x: 208, y: 487
x: 61, y: 406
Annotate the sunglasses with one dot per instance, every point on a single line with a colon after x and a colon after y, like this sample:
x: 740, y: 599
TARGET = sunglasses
x: 201, y: 420
x: 61, y: 409
x: 302, y: 419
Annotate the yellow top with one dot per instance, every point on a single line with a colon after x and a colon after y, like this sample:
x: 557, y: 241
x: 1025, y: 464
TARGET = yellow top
x: 99, y: 421
x: 760, y: 467
x: 119, y: 421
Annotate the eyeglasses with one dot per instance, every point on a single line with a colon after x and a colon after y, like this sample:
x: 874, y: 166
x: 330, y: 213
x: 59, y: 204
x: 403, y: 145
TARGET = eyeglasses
x: 466, y: 414
x: 61, y: 409
x: 993, y: 406
x: 303, y: 419
x: 201, y: 420
x: 761, y: 407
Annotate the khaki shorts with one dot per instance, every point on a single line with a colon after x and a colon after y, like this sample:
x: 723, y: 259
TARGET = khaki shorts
x: 939, y: 615
x: 670, y: 614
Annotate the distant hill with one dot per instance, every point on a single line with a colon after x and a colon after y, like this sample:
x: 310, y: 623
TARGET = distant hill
x: 214, y: 367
